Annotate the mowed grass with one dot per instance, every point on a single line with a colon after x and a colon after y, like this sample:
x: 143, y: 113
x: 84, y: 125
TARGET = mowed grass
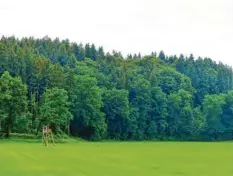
x: 116, y: 159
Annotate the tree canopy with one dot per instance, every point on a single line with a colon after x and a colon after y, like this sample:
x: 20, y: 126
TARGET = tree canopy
x: 80, y: 90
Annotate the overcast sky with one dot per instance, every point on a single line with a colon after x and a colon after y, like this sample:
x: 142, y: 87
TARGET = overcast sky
x: 201, y: 27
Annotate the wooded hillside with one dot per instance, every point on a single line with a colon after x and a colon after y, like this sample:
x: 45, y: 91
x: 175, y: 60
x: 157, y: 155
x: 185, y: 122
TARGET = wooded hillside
x: 82, y: 91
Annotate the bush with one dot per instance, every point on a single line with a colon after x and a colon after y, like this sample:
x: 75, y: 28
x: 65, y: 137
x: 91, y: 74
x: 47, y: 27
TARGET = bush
x: 24, y: 136
x: 59, y: 138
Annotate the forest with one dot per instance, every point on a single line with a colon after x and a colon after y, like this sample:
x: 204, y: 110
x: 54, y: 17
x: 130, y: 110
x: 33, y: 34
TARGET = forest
x: 82, y: 91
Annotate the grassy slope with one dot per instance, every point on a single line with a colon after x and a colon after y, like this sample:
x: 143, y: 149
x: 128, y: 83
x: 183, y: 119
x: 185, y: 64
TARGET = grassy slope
x: 116, y: 159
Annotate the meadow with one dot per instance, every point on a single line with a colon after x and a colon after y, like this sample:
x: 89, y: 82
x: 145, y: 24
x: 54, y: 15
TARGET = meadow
x: 116, y: 159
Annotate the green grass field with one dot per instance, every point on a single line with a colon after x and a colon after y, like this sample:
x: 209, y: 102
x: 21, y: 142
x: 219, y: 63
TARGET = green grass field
x: 116, y: 159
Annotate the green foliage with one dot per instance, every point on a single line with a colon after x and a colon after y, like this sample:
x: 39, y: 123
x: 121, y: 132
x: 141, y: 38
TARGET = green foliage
x: 199, y: 122
x: 13, y: 100
x: 54, y: 109
x: 86, y: 106
x: 116, y: 108
x: 24, y: 136
x: 139, y: 98
x: 158, y: 113
x: 180, y: 118
x: 171, y: 81
x: 227, y: 116
x: 207, y: 76
x: 82, y: 91
x: 212, y: 108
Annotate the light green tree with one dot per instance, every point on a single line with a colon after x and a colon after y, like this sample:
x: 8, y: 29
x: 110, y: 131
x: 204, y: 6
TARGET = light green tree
x: 54, y: 109
x: 13, y: 100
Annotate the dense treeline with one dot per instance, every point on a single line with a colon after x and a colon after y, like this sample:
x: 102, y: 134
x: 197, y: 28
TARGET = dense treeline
x: 82, y: 91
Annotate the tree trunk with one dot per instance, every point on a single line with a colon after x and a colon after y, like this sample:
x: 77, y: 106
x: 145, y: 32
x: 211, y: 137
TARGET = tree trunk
x: 38, y: 128
x: 68, y: 128
x: 7, y: 131
x: 8, y: 126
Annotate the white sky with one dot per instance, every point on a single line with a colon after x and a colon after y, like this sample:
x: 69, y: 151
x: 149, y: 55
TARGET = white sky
x: 201, y: 27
